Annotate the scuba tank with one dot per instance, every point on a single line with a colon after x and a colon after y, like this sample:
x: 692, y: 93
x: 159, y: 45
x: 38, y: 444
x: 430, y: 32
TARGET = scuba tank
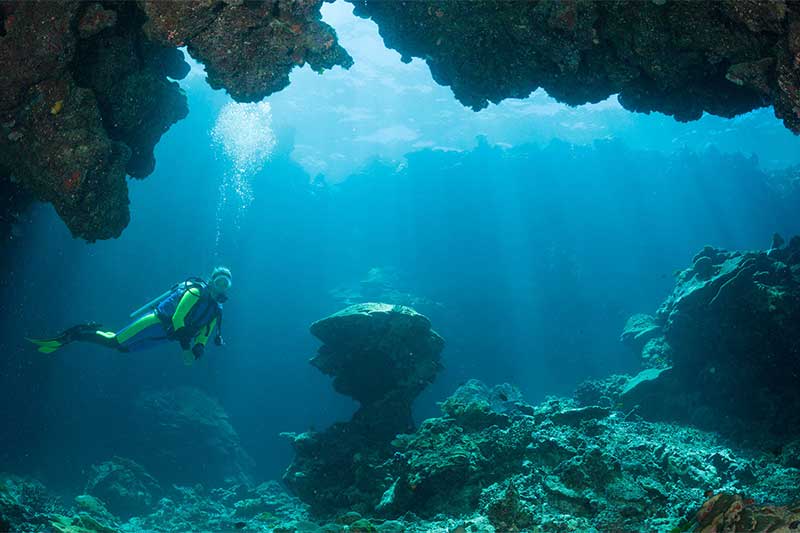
x: 150, y: 305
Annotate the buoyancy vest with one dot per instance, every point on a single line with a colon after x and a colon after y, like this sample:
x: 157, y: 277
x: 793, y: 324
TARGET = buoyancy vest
x: 204, y: 311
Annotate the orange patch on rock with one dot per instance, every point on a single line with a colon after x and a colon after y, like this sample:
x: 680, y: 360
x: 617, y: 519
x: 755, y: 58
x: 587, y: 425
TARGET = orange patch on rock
x: 72, y: 182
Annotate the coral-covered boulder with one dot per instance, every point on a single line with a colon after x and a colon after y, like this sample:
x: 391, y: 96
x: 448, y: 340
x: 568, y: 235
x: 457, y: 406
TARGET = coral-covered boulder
x: 730, y: 330
x: 124, y: 486
x: 381, y: 355
x: 734, y: 512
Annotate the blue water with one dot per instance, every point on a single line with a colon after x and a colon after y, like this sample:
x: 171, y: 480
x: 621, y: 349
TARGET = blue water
x: 529, y: 232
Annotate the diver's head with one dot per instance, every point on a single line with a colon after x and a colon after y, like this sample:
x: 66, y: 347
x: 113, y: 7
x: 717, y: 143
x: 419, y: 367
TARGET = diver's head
x: 219, y: 283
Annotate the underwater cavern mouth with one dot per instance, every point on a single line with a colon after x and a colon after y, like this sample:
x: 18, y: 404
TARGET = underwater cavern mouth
x: 87, y: 91
x: 526, y: 260
x: 612, y: 455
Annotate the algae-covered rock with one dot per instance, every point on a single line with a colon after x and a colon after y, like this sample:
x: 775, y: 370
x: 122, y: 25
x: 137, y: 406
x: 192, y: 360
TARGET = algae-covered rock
x: 362, y: 525
x: 475, y: 404
x: 509, y: 513
x: 90, y: 505
x: 729, y: 339
x: 733, y: 512
x: 124, y: 487
x: 81, y: 523
x: 25, y: 504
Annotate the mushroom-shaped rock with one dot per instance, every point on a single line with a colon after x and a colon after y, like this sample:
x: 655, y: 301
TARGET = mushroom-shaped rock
x: 383, y: 356
x: 377, y: 350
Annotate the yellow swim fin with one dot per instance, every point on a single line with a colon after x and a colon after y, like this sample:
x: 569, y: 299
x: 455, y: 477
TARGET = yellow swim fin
x: 46, y: 345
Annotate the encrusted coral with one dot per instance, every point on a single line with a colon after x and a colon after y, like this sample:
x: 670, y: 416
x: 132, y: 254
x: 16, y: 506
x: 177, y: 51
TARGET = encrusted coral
x: 679, y: 58
x: 557, y: 466
x: 85, y: 93
x: 726, y: 346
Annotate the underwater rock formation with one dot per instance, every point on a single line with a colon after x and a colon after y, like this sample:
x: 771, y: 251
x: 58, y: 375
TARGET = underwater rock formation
x: 124, y: 487
x: 679, y: 58
x: 724, y: 354
x: 382, y: 356
x: 86, y: 90
x: 490, y: 463
x: 85, y: 93
x: 556, y: 466
x: 84, y: 100
x: 733, y: 512
x: 248, y: 48
x: 24, y: 504
x: 179, y: 429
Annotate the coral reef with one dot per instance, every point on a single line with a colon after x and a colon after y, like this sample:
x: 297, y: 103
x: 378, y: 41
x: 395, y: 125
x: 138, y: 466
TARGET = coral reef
x: 85, y: 93
x: 558, y: 466
x: 722, y: 348
x: 180, y: 428
x: 679, y: 58
x: 25, y: 504
x: 383, y: 356
x: 490, y: 463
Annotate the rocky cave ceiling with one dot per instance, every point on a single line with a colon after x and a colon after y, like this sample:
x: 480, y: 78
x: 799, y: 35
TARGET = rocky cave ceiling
x: 86, y: 90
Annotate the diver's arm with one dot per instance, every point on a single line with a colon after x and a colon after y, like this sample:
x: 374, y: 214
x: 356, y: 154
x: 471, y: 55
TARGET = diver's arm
x: 205, y: 333
x: 201, y: 338
x: 189, y: 298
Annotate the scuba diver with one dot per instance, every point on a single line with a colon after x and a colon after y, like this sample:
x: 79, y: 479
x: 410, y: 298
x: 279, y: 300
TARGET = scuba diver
x: 189, y: 312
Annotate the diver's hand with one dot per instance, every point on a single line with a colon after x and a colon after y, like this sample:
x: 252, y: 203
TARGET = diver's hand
x: 188, y: 358
x: 197, y: 350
